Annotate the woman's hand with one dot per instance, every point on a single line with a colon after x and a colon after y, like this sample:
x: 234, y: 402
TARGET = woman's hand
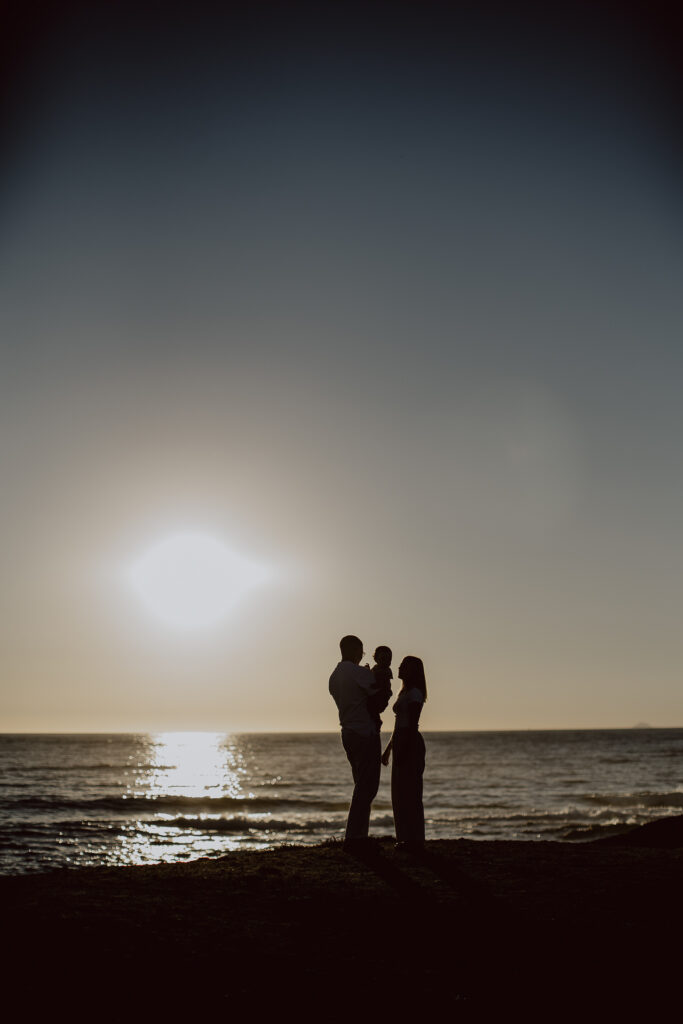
x: 387, y: 754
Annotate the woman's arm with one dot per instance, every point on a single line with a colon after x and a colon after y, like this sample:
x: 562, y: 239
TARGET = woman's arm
x: 387, y: 752
x: 413, y: 710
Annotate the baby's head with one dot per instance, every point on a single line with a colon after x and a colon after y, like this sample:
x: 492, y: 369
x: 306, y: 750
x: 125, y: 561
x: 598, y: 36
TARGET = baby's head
x: 382, y: 656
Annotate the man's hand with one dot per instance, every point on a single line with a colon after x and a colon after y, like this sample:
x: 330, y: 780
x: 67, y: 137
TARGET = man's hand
x: 386, y: 756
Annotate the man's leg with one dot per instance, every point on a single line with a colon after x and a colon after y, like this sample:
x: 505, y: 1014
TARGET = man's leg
x: 364, y: 754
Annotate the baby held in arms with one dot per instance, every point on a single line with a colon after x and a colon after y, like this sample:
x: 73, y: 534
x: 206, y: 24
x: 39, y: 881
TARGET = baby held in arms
x: 383, y: 676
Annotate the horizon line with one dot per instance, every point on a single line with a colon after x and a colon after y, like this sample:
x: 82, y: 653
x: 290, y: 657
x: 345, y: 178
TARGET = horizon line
x: 329, y: 732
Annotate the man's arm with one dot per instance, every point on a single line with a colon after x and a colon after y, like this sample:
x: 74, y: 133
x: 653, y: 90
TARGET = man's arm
x: 365, y: 678
x: 378, y: 701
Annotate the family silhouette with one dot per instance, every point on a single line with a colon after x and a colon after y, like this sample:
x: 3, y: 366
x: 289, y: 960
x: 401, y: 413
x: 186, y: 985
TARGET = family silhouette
x: 361, y: 694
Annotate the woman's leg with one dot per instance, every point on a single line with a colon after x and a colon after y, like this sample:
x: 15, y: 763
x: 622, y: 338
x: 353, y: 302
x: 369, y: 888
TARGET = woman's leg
x: 400, y: 784
x: 396, y: 796
x: 408, y: 761
x: 419, y: 814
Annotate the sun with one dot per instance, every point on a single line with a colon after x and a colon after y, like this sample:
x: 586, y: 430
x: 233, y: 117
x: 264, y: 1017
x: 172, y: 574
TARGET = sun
x: 191, y: 580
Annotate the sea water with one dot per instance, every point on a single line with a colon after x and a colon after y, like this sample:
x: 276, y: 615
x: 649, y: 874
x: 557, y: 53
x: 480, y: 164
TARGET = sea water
x: 75, y: 800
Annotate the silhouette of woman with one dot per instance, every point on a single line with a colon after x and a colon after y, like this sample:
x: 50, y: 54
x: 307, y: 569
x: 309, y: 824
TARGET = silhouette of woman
x: 408, y: 749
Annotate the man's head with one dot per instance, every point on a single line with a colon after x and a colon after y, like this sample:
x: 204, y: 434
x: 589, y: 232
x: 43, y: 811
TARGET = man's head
x: 382, y: 656
x: 351, y: 649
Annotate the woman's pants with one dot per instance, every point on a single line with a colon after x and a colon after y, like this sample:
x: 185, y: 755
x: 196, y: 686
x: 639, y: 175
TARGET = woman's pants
x: 408, y: 765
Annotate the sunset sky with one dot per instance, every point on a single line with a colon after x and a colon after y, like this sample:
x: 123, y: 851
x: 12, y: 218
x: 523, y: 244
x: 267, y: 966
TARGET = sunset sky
x: 391, y: 309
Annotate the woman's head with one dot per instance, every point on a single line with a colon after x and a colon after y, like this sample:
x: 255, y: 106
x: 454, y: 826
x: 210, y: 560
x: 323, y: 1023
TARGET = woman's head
x: 412, y: 672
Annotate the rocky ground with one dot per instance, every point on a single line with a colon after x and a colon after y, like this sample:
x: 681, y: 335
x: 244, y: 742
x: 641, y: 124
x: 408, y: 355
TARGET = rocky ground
x: 467, y: 928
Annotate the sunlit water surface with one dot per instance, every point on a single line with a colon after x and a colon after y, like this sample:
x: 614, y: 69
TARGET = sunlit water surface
x: 133, y: 799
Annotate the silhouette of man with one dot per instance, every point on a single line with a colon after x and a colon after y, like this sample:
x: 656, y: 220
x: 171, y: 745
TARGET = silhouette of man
x: 353, y: 688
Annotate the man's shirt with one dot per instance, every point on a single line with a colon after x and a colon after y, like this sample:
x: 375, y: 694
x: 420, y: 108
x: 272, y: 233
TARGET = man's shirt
x: 351, y: 685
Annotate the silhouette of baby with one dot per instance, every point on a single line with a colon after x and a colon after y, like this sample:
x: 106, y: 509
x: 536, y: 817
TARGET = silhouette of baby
x: 381, y: 670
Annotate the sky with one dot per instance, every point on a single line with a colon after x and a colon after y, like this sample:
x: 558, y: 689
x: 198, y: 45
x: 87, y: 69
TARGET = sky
x: 389, y: 306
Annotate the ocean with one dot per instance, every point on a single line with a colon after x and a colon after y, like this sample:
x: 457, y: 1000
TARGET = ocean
x: 76, y: 800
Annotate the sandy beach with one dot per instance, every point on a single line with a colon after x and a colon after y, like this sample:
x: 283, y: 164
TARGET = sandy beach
x: 480, y: 925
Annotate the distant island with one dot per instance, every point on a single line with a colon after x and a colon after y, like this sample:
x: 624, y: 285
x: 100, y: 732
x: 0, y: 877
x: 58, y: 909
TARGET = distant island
x: 642, y: 725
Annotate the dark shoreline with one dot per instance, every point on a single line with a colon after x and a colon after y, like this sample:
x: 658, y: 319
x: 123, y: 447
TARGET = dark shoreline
x: 466, y: 924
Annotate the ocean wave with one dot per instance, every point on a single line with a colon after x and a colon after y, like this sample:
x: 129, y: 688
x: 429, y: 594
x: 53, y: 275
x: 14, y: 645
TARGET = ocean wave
x: 597, y: 831
x: 66, y: 769
x: 243, y: 824
x: 63, y: 769
x: 169, y: 802
x: 532, y: 824
x: 647, y: 799
x: 60, y: 831
x: 239, y: 823
x: 533, y: 815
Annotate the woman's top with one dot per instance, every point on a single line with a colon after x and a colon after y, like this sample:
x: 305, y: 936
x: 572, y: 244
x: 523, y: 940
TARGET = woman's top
x: 408, y: 707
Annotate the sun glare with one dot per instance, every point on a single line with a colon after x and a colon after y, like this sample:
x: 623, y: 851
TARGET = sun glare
x: 195, y: 764
x: 191, y: 580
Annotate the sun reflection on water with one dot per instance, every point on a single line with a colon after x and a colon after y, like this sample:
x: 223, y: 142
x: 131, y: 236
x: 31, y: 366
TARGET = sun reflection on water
x: 195, y: 765
x: 183, y: 775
